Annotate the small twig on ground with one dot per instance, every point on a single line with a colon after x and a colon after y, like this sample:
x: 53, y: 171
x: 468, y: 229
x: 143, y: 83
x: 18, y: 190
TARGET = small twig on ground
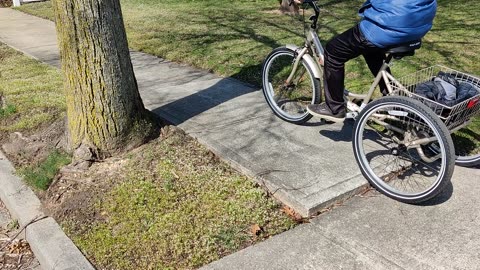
x: 63, y: 192
x: 35, y: 219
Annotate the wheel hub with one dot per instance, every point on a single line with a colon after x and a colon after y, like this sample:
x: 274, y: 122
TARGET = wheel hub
x: 398, y: 150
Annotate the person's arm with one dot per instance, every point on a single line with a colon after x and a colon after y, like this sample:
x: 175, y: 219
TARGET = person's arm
x: 365, y: 5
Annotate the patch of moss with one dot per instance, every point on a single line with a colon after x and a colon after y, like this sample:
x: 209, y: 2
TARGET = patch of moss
x: 177, y: 206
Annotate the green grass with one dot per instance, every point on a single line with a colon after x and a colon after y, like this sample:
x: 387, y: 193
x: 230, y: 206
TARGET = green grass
x: 166, y: 212
x: 232, y: 38
x: 8, y: 110
x: 41, y: 175
x: 176, y: 206
x: 32, y: 92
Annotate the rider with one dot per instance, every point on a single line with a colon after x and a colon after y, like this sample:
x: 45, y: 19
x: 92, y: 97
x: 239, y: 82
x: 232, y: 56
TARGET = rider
x: 384, y: 23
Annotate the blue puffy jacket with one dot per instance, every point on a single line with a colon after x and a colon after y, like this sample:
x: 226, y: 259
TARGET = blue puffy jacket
x: 391, y: 22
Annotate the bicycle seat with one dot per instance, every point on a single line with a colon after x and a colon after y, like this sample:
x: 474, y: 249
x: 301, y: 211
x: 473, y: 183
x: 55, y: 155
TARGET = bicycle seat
x: 405, y: 49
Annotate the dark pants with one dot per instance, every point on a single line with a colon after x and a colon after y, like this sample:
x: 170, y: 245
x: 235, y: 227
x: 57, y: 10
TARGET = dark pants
x: 338, y: 51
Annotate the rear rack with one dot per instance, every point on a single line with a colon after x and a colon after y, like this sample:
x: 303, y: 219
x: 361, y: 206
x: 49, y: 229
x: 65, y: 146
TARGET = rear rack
x: 452, y: 116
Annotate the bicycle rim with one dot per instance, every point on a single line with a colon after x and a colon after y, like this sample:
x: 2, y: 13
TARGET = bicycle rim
x: 289, y: 102
x: 396, y: 169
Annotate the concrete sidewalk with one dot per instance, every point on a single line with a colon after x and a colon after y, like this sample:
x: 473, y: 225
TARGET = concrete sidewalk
x: 295, y: 163
x: 379, y: 233
x: 305, y: 167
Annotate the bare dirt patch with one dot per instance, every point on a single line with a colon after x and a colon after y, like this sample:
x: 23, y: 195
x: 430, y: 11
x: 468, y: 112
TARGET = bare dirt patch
x: 32, y: 147
x: 74, y: 191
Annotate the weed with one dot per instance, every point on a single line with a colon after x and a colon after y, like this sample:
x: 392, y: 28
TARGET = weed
x: 8, y: 110
x: 13, y: 225
x: 41, y: 175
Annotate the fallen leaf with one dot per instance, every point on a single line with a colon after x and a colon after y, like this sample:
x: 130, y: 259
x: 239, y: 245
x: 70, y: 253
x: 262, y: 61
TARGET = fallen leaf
x: 294, y: 215
x: 256, y: 229
x: 18, y: 246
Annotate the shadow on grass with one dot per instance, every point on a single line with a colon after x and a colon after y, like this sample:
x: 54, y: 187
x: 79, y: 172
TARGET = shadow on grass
x: 226, y: 89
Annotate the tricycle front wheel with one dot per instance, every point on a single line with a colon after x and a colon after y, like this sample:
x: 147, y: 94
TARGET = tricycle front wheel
x: 289, y: 100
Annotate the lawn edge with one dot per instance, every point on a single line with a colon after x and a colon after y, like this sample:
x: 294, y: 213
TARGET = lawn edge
x: 49, y: 243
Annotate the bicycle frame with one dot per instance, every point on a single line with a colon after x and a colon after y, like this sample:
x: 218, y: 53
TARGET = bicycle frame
x: 314, y: 54
x: 313, y: 47
x: 396, y: 138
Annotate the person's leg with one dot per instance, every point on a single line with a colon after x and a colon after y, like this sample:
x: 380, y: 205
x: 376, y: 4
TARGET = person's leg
x: 374, y: 59
x: 338, y: 51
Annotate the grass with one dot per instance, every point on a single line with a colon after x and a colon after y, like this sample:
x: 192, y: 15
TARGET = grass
x: 8, y: 110
x: 174, y: 205
x: 32, y: 92
x: 232, y: 38
x: 41, y: 175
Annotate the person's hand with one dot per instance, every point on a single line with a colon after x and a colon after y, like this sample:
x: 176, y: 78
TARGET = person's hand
x: 298, y: 2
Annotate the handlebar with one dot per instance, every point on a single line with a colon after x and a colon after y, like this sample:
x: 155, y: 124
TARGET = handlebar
x: 313, y: 18
x: 313, y: 4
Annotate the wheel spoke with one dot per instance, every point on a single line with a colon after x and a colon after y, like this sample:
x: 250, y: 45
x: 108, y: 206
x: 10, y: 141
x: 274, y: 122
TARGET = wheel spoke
x: 381, y: 149
x: 289, y: 101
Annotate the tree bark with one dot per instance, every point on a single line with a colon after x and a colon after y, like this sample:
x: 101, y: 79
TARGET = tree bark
x: 286, y: 8
x: 104, y: 108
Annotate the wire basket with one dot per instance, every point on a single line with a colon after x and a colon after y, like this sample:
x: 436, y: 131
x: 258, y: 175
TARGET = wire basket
x: 452, y: 116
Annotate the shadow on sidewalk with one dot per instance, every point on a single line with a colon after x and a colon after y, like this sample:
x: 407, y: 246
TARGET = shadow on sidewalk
x: 441, y: 198
x: 345, y: 135
x: 206, y: 99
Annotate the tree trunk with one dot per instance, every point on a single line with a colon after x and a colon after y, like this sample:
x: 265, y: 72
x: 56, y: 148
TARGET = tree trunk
x: 286, y: 8
x: 104, y: 108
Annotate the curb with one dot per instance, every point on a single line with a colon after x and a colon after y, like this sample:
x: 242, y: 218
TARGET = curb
x: 301, y: 205
x: 50, y: 245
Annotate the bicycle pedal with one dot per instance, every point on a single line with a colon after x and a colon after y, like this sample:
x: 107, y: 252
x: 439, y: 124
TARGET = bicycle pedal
x: 351, y: 115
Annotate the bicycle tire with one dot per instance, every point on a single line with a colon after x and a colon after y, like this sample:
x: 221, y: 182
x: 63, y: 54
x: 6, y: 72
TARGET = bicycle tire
x: 412, y: 179
x: 467, y: 140
x: 289, y: 102
x: 467, y: 144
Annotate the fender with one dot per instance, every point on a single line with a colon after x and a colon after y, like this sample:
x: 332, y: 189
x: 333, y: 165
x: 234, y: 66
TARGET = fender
x: 309, y: 60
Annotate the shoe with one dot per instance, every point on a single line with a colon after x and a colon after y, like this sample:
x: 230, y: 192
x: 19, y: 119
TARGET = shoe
x: 322, y: 111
